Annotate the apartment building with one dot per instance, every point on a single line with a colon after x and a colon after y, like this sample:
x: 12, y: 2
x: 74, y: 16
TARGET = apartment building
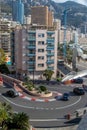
x: 5, y: 43
x: 41, y: 15
x: 69, y: 35
x: 35, y: 50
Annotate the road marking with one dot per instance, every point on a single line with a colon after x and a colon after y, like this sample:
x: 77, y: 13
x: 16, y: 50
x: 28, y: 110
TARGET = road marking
x: 69, y: 104
x: 15, y: 103
x: 41, y: 120
x: 44, y: 107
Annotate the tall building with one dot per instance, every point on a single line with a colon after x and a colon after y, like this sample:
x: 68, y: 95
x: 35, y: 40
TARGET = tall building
x: 5, y: 42
x: 18, y: 11
x: 36, y: 50
x: 41, y: 15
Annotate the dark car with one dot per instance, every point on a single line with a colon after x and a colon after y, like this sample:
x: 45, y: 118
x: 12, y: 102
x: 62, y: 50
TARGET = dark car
x: 79, y: 91
x: 12, y: 93
x: 65, y: 96
x: 78, y: 80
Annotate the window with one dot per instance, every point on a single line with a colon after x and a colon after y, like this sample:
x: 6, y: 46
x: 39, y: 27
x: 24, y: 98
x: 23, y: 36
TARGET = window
x: 40, y: 57
x: 40, y: 50
x: 40, y: 42
x: 40, y: 65
x: 41, y: 35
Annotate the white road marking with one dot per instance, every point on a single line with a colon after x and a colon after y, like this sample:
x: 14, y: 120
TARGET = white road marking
x: 44, y: 107
x: 41, y: 120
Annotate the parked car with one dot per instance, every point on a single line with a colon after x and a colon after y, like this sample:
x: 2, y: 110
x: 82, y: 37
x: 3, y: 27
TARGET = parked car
x: 65, y: 96
x: 12, y: 93
x: 78, y: 80
x: 79, y: 91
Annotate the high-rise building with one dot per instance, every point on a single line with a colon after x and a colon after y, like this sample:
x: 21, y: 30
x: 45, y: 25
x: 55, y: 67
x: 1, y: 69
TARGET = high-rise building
x: 41, y: 15
x: 5, y: 43
x: 35, y: 50
x: 18, y: 11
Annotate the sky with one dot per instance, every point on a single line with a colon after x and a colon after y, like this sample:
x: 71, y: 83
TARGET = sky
x: 84, y: 2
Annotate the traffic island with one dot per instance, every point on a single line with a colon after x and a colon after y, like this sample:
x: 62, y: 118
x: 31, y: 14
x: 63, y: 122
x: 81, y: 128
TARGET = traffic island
x: 40, y: 91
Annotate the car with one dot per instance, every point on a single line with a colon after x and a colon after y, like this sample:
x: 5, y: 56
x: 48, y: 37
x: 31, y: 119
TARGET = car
x: 65, y: 96
x: 78, y: 80
x: 79, y: 91
x: 12, y: 93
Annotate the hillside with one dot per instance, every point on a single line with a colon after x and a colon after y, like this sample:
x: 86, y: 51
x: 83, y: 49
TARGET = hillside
x: 77, y: 15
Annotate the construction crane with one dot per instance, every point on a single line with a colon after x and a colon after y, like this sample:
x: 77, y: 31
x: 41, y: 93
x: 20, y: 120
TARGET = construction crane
x: 65, y: 28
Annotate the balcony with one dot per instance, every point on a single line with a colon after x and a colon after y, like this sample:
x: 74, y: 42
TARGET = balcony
x: 50, y: 39
x: 31, y: 31
x: 50, y: 54
x: 50, y: 48
x: 50, y: 61
x: 31, y: 69
x: 31, y: 47
x: 50, y: 32
x: 31, y: 38
x: 31, y: 62
x: 31, y: 54
x: 50, y: 43
x: 50, y: 68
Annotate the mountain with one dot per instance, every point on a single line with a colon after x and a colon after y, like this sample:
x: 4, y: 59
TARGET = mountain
x: 76, y: 16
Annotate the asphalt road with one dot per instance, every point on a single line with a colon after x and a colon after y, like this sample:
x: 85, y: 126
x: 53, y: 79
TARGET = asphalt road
x: 81, y: 65
x: 47, y: 114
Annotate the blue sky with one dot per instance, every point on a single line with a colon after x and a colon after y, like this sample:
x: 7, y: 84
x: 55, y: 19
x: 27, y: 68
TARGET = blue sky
x: 78, y: 1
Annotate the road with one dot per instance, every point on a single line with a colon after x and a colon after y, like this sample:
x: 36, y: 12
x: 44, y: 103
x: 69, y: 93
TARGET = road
x: 48, y: 112
x: 81, y: 65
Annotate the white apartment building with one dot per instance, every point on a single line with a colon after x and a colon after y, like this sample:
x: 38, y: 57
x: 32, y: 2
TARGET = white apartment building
x: 36, y: 50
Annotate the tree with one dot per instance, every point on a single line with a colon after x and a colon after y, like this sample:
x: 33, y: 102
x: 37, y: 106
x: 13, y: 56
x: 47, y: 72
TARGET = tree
x: 48, y: 74
x: 4, y: 69
x: 2, y: 56
x: 18, y: 121
x: 5, y: 111
x: 12, y: 121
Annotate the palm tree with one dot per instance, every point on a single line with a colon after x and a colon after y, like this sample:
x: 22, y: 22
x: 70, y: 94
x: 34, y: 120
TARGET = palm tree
x: 48, y: 74
x: 12, y: 121
x: 5, y: 110
x: 18, y: 121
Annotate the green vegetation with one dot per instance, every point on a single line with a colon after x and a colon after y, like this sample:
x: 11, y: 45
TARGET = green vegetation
x: 3, y: 66
x: 59, y: 79
x: 75, y: 17
x: 48, y: 74
x: 40, y: 89
x: 69, y: 52
x: 12, y: 121
x: 2, y: 56
x: 29, y: 84
x: 4, y: 69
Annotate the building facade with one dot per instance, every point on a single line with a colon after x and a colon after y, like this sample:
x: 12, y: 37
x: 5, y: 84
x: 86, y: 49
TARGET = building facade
x: 35, y: 51
x: 41, y: 15
x: 5, y: 42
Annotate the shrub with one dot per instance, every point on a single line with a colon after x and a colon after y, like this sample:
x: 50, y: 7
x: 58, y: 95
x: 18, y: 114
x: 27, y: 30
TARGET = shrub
x: 42, y: 88
x: 59, y: 79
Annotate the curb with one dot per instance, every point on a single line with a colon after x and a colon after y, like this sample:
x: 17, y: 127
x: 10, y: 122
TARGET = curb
x: 38, y: 99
